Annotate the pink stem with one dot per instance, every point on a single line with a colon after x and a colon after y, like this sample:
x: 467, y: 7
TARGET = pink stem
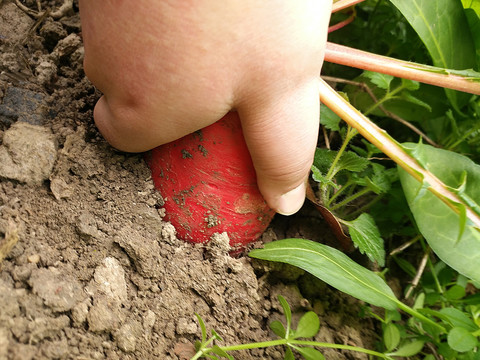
x: 341, y: 24
x: 342, y: 4
x: 344, y: 55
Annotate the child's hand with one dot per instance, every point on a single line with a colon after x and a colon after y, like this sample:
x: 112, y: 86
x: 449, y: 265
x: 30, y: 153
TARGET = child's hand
x: 167, y: 68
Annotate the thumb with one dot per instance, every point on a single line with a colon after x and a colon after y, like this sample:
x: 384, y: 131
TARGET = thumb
x: 281, y: 136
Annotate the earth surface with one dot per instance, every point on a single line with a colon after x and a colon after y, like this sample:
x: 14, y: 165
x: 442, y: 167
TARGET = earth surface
x: 88, y: 268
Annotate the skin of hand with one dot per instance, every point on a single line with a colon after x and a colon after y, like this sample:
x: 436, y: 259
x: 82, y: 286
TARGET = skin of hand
x: 168, y: 68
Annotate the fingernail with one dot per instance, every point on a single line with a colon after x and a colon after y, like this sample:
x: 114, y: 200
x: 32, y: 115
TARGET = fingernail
x: 290, y: 202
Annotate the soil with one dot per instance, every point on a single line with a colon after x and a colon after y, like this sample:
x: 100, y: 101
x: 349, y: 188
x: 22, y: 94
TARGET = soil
x: 88, y: 268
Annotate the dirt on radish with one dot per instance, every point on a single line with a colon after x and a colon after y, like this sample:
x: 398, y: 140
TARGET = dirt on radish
x: 91, y: 270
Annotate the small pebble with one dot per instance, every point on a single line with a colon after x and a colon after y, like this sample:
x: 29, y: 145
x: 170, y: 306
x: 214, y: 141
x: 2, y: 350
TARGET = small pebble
x: 33, y: 259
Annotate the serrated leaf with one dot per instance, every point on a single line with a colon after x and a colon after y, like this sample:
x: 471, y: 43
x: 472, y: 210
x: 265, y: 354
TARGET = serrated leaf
x: 318, y: 177
x: 278, y: 329
x: 366, y: 237
x: 409, y: 349
x: 379, y: 182
x: 391, y: 336
x: 438, y: 223
x: 323, y: 159
x: 383, y: 81
x: 410, y: 84
x: 352, y: 162
x: 287, y: 312
x: 309, y: 353
x: 348, y: 161
x: 461, y: 340
x: 308, y: 325
x: 329, y: 119
x: 333, y: 267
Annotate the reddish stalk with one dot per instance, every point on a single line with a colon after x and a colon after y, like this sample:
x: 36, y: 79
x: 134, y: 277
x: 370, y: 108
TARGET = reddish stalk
x: 344, y: 55
x: 341, y: 24
x: 391, y: 148
x: 343, y: 4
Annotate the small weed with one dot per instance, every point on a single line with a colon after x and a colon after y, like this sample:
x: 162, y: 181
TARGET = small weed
x: 290, y: 338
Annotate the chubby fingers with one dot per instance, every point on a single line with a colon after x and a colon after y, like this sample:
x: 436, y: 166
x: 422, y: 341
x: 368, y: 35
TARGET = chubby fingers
x: 281, y: 136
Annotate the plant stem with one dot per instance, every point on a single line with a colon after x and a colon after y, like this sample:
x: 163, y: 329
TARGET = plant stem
x: 344, y: 55
x: 342, y: 4
x: 338, y: 193
x: 351, y: 132
x: 350, y: 199
x: 365, y: 207
x: 392, y: 149
x: 279, y: 342
x: 389, y: 95
x: 420, y: 316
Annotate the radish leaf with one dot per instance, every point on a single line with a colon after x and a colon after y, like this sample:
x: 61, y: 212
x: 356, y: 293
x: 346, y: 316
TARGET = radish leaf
x: 443, y: 28
x: 450, y: 235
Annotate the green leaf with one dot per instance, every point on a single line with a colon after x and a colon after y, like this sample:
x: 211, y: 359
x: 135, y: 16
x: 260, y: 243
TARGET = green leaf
x: 289, y: 354
x: 473, y: 17
x: 456, y: 292
x: 202, y: 327
x: 331, y: 266
x: 278, y: 329
x: 410, y: 84
x: 216, y: 335
x: 405, y: 95
x: 287, y: 312
x: 458, y: 318
x: 409, y: 349
x: 381, y: 80
x: 366, y: 237
x: 318, y: 177
x: 329, y: 119
x: 391, y: 336
x: 461, y: 339
x: 380, y: 182
x: 348, y: 161
x: 308, y: 325
x: 217, y: 350
x: 309, y: 353
x: 419, y: 301
x: 443, y: 28
x: 352, y: 162
x: 472, y: 4
x: 438, y: 223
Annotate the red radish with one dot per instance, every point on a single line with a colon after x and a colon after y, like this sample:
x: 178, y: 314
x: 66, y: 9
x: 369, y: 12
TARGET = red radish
x: 209, y: 185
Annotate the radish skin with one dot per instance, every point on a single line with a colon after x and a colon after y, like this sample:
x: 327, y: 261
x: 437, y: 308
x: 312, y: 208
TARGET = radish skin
x: 208, y: 182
